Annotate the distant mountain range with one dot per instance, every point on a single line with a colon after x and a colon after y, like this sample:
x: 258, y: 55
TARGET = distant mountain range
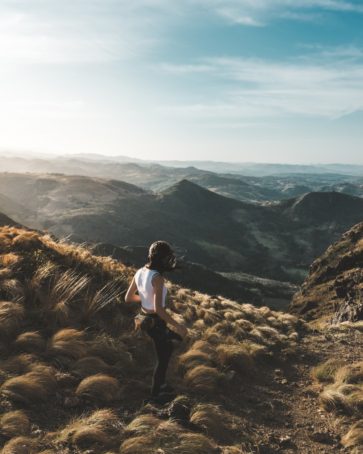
x: 277, y: 241
x: 237, y: 184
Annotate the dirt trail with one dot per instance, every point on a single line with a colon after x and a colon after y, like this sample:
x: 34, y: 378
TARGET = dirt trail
x: 293, y: 419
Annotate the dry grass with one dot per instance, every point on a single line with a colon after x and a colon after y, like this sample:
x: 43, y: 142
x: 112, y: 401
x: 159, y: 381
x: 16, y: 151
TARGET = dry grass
x: 344, y: 396
x: 237, y: 357
x: 89, y: 365
x: 30, y: 342
x: 149, y: 435
x: 99, y: 388
x: 325, y: 372
x: 212, y: 419
x: 71, y: 314
x: 11, y: 318
x: 100, y: 430
x: 68, y: 342
x: 14, y: 424
x: 354, y: 438
x: 203, y: 378
x: 9, y: 260
x: 36, y: 386
x: 27, y: 241
x: 20, y: 445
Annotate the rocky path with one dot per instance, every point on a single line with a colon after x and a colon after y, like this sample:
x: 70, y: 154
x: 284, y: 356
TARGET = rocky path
x: 294, y: 421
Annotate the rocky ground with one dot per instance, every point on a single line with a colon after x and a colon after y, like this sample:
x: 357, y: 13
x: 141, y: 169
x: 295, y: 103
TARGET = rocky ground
x: 284, y: 409
x: 297, y: 422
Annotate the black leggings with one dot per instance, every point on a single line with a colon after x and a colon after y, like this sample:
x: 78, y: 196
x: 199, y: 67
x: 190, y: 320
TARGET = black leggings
x: 162, y: 338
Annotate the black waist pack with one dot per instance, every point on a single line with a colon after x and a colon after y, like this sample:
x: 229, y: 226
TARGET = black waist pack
x: 144, y: 322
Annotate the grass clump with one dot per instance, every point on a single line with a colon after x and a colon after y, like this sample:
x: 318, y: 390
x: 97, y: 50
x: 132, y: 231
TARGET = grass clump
x: 99, y: 388
x: 14, y: 423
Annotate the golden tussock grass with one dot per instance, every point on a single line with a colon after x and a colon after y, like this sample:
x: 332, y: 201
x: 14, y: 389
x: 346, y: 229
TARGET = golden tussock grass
x: 195, y: 443
x: 237, y: 357
x: 10, y: 259
x: 84, y: 329
x: 5, y: 273
x: 203, y: 378
x: 354, y: 437
x: 33, y: 387
x: 233, y: 450
x: 138, y: 444
x: 20, y: 445
x: 14, y: 423
x: 30, y: 342
x: 143, y: 423
x: 18, y: 364
x: 99, y: 388
x: 211, y: 419
x: 13, y: 289
x: 27, y: 241
x: 325, y: 372
x: 149, y: 434
x: 11, y: 318
x: 100, y: 430
x: 111, y: 350
x: 5, y: 242
x: 43, y: 275
x: 346, y: 392
x: 105, y: 296
x: 193, y: 358
x: 89, y: 365
x: 68, y: 342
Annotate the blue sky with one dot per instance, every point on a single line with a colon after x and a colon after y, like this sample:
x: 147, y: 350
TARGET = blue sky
x: 232, y: 80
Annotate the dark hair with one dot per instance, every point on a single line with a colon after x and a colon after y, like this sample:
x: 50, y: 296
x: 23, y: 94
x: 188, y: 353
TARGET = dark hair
x: 161, y: 257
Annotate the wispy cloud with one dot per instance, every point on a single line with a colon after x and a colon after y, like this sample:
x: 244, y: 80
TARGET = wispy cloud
x: 76, y: 31
x: 261, y: 12
x: 79, y: 31
x: 321, y: 85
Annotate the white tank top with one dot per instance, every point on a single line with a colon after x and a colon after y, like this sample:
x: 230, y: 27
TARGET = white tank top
x: 143, y: 278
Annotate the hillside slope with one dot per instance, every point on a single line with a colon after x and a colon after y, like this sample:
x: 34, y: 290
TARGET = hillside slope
x: 334, y: 287
x: 226, y: 235
x: 73, y: 374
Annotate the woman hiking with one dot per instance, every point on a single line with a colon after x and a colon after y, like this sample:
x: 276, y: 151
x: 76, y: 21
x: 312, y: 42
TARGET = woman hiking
x: 148, y: 281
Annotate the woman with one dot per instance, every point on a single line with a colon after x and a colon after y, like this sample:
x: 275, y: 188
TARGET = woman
x: 149, y: 283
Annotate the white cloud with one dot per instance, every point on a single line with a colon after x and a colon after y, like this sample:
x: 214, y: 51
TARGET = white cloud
x: 316, y: 86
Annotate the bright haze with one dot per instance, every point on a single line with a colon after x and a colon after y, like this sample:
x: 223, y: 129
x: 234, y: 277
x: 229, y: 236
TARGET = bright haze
x: 231, y: 80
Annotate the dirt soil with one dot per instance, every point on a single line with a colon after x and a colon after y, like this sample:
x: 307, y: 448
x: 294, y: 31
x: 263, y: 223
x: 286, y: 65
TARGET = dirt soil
x: 293, y: 420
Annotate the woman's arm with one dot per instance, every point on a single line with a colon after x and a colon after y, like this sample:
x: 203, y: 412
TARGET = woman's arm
x: 158, y: 283
x: 131, y: 296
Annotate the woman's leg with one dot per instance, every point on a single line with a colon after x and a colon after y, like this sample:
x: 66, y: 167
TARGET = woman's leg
x: 163, y: 349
